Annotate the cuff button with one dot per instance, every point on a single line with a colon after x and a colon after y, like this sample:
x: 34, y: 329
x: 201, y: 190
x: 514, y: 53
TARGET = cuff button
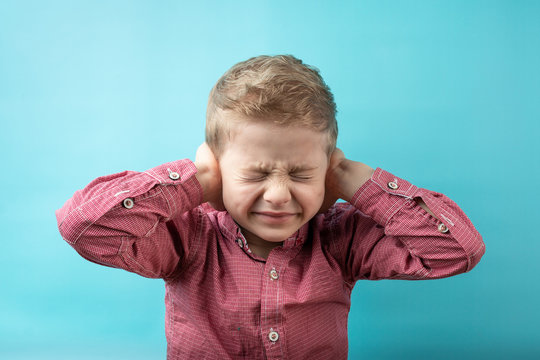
x: 442, y: 228
x: 392, y: 185
x: 174, y: 175
x: 128, y: 203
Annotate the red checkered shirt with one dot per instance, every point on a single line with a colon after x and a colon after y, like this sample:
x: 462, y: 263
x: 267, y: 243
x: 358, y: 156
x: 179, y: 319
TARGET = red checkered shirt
x: 223, y: 301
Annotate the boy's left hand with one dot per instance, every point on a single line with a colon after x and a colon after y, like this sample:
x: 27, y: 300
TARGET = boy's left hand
x: 343, y: 178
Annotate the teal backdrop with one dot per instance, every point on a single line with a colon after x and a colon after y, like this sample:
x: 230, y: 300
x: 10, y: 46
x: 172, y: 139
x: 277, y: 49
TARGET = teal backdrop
x: 442, y: 93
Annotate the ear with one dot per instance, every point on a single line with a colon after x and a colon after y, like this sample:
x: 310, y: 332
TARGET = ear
x: 330, y: 190
x: 217, y: 203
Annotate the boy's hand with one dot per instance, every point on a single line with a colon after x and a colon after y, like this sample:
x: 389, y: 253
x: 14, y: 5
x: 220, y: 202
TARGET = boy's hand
x: 343, y: 178
x: 209, y: 176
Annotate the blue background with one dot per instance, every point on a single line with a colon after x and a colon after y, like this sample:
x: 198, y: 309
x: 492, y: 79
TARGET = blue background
x: 443, y: 93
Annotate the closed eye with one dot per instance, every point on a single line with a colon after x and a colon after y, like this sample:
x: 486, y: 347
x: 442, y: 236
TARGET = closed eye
x: 255, y: 177
x: 301, y: 177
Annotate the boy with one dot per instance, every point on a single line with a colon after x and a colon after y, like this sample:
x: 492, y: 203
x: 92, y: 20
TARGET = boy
x: 267, y: 272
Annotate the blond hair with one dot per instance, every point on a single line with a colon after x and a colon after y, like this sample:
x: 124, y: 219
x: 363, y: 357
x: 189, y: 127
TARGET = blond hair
x: 281, y: 89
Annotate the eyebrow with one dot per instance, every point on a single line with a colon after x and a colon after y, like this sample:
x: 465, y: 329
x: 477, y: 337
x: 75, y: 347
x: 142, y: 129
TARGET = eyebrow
x: 299, y: 168
x: 265, y: 168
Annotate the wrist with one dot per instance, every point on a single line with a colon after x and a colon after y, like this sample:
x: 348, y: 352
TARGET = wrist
x: 353, y: 175
x: 206, y: 180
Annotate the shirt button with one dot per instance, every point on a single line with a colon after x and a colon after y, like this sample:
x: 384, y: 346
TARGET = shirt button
x: 174, y: 175
x: 442, y: 228
x: 273, y: 336
x: 392, y: 185
x: 128, y: 203
x: 274, y: 274
x: 239, y: 242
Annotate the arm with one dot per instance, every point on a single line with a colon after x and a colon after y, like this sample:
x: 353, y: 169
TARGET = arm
x: 347, y: 176
x: 399, y: 230
x: 125, y: 220
x: 138, y: 221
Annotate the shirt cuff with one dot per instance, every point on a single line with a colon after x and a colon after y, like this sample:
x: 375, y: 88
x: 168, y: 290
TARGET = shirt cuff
x: 383, y: 195
x: 180, y: 172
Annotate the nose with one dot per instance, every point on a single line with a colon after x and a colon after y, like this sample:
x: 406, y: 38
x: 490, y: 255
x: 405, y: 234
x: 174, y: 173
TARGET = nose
x: 277, y: 193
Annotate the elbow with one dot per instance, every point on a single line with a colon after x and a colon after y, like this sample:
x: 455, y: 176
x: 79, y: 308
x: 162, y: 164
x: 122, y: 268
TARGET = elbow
x: 459, y: 261
x: 70, y: 227
x: 478, y: 250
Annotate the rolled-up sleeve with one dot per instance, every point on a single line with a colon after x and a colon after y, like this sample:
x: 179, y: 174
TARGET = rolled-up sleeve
x: 137, y: 221
x: 395, y: 238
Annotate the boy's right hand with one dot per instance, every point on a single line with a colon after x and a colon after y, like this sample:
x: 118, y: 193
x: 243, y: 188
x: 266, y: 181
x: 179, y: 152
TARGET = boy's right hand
x: 209, y: 176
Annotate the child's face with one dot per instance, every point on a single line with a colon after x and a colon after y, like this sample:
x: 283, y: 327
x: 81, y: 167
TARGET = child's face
x: 273, y: 178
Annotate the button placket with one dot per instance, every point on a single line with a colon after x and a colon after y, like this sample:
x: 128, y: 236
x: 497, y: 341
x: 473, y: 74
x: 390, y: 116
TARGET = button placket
x: 272, y: 304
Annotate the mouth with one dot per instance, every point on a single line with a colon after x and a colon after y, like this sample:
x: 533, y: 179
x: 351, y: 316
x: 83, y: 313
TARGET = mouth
x: 271, y: 217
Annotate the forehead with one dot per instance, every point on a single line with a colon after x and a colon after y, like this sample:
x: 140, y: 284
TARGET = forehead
x: 263, y: 145
x: 230, y: 122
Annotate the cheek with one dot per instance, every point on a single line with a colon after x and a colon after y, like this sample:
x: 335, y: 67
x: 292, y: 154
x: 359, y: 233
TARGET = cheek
x: 311, y: 196
x: 236, y: 196
x: 319, y: 194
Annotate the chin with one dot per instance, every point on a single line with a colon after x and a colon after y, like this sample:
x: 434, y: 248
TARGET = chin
x: 275, y: 240
x: 276, y: 237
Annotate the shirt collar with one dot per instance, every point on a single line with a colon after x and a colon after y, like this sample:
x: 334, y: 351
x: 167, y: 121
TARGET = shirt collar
x: 233, y: 232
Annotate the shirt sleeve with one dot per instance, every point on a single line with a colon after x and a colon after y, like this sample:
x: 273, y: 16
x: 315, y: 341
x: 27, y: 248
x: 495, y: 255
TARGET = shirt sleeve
x: 137, y: 221
x: 392, y: 237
